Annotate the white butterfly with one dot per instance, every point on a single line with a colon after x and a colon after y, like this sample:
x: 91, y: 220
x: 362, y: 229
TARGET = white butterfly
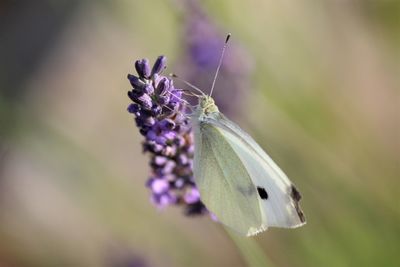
x: 237, y: 180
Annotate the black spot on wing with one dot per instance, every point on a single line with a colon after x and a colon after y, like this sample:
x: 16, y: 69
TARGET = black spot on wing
x: 296, y: 196
x: 262, y: 193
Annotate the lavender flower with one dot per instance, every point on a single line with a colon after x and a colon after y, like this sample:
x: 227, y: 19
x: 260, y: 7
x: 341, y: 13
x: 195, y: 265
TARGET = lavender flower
x: 160, y: 116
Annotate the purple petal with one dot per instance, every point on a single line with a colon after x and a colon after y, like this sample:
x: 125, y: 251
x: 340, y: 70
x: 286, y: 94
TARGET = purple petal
x: 183, y: 159
x: 163, y: 100
x: 179, y: 183
x: 156, y: 110
x: 160, y: 160
x: 148, y: 89
x: 163, y: 200
x: 143, y: 68
x: 169, y: 167
x: 159, y: 186
x: 159, y: 65
x: 148, y: 121
x: 157, y: 148
x: 135, y: 81
x: 141, y: 98
x: 166, y: 124
x: 163, y: 86
x: 179, y: 141
x: 151, y: 135
x: 192, y: 196
x: 166, y: 200
x: 133, y: 108
x: 169, y: 135
x: 161, y: 140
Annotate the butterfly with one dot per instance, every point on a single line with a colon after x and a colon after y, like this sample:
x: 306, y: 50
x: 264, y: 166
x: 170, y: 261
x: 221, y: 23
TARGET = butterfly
x: 237, y: 180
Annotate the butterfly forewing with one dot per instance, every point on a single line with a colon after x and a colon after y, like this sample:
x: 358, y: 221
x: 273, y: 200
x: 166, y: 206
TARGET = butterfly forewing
x: 277, y: 196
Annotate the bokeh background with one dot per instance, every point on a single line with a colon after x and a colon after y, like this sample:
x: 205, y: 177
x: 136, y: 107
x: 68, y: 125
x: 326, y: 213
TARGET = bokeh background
x: 315, y: 82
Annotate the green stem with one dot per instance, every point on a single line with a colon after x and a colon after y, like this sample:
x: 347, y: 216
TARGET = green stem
x: 251, y: 252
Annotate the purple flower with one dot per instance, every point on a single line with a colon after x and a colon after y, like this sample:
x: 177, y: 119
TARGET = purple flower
x: 160, y: 115
x: 203, y: 42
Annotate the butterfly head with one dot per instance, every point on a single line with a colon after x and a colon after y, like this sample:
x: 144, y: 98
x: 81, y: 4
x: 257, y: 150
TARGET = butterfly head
x: 207, y: 104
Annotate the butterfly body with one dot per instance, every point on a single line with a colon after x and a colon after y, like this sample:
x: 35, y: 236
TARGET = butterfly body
x: 237, y: 180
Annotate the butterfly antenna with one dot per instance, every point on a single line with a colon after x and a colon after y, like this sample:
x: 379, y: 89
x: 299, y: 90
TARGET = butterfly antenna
x: 173, y: 75
x: 220, y: 62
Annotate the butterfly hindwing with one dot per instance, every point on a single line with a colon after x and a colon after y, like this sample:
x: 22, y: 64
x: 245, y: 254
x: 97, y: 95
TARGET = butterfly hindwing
x: 225, y: 185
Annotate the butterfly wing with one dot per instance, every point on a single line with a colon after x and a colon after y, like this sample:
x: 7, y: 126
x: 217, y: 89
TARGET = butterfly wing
x: 225, y: 185
x: 277, y: 196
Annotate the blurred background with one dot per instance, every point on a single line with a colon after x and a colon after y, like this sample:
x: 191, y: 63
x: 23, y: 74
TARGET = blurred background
x: 315, y: 82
